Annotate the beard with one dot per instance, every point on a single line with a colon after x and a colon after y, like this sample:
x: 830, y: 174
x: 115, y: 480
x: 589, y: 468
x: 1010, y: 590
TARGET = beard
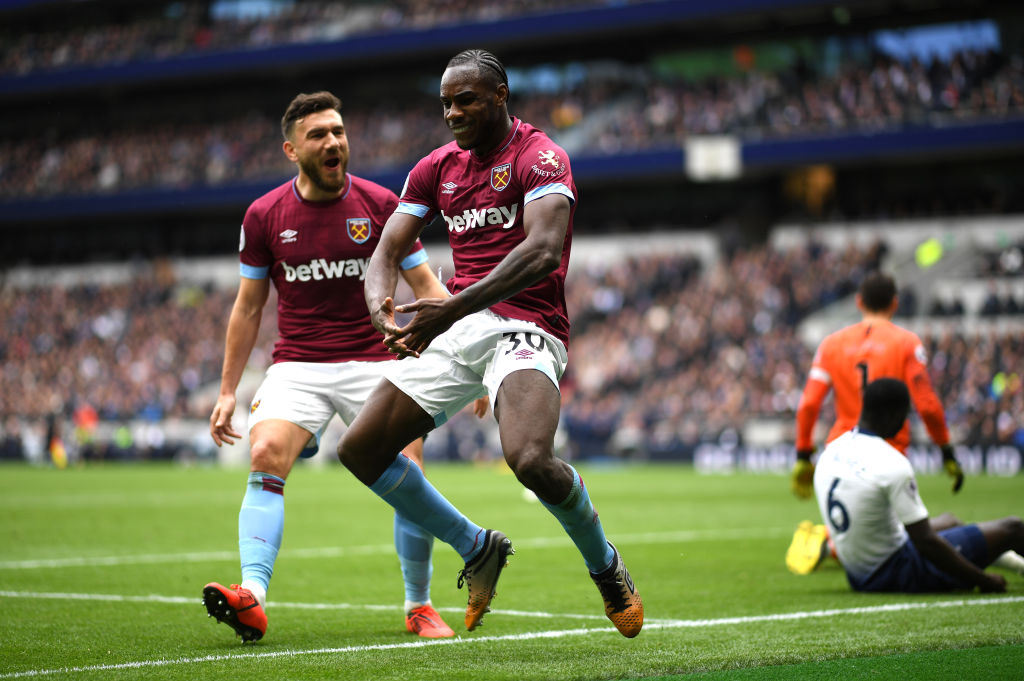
x: 313, y: 170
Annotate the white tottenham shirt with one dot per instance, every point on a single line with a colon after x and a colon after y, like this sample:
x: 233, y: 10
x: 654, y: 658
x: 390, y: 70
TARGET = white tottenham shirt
x: 866, y: 494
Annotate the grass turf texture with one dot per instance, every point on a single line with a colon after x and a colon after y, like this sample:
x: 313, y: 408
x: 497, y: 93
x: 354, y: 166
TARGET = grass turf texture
x: 135, y: 544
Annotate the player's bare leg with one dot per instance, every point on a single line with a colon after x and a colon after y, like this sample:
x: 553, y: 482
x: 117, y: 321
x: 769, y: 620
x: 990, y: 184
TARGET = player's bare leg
x: 388, y: 421
x: 1005, y: 539
x: 527, y: 409
x: 527, y: 420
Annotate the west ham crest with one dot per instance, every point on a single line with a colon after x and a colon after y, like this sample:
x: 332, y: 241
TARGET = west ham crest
x: 500, y: 176
x: 359, y: 229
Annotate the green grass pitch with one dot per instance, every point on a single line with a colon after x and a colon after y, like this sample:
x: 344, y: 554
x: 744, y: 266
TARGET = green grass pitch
x: 101, y: 570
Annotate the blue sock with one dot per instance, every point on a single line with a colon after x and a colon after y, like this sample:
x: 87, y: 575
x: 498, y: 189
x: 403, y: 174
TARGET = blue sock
x: 404, y: 486
x: 260, y: 526
x: 414, y: 546
x: 579, y: 518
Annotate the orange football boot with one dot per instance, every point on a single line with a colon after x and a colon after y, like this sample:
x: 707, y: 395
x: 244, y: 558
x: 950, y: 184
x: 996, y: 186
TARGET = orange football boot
x: 237, y: 608
x: 426, y: 622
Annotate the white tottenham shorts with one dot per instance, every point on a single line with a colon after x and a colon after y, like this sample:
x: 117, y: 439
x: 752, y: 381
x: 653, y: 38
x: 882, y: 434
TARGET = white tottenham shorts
x: 309, y: 393
x: 471, y: 359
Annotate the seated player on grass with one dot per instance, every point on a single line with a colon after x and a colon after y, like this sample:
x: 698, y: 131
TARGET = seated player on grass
x: 868, y: 496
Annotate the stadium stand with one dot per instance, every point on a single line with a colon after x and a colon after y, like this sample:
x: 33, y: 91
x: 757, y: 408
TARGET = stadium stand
x: 599, y: 114
x: 670, y: 351
x: 138, y: 133
x: 155, y: 31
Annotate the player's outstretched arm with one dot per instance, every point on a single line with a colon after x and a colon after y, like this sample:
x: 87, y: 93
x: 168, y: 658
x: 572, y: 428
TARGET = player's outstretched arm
x: 545, y: 222
x: 949, y: 560
x: 243, y: 329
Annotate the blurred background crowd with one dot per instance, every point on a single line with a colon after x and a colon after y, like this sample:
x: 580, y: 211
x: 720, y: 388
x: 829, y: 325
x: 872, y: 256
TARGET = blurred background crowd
x: 599, y: 107
x: 161, y: 30
x: 668, y: 351
x: 137, y: 133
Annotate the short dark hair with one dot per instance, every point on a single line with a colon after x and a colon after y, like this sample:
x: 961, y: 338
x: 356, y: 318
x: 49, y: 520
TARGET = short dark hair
x: 488, y: 66
x: 877, y: 291
x: 885, y: 407
x: 305, y: 104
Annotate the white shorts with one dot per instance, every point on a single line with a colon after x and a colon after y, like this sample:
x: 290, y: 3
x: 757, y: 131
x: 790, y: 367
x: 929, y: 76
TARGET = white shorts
x: 471, y: 360
x: 308, y: 394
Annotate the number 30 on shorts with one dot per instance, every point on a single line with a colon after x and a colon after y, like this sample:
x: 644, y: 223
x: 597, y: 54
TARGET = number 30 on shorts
x: 517, y: 338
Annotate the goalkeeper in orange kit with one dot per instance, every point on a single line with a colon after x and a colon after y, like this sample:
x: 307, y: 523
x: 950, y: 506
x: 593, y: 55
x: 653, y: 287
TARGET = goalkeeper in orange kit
x: 845, y: 362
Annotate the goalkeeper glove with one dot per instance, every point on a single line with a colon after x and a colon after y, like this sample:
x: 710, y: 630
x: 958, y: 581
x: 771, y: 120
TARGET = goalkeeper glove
x: 952, y: 467
x: 802, y: 479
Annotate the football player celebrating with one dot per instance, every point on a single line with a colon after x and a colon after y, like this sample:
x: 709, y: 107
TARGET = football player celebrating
x: 312, y: 237
x: 506, y: 194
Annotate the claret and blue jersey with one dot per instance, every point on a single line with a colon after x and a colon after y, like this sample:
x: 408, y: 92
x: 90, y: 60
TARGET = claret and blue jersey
x: 316, y: 253
x: 482, y: 201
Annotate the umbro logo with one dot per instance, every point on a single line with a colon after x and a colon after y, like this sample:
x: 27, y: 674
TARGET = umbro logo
x: 524, y: 354
x: 449, y: 188
x: 288, y: 236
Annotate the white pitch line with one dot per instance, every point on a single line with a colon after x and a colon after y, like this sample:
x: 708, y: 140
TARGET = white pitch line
x: 672, y: 624
x: 377, y: 549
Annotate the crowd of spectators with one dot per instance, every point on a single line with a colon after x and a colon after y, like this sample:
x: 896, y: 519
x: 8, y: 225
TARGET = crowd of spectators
x: 997, y: 268
x: 169, y: 29
x: 1005, y: 261
x: 668, y: 351
x: 1001, y: 301
x: 608, y: 111
x: 142, y: 349
x: 979, y: 377
x: 802, y: 100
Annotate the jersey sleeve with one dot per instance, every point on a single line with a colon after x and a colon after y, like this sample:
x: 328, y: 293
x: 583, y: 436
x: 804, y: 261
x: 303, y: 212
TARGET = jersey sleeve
x: 386, y: 203
x: 807, y: 411
x: 542, y: 168
x: 418, y: 196
x: 903, y: 495
x: 255, y: 258
x: 927, y: 403
x: 417, y: 256
x: 815, y: 391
